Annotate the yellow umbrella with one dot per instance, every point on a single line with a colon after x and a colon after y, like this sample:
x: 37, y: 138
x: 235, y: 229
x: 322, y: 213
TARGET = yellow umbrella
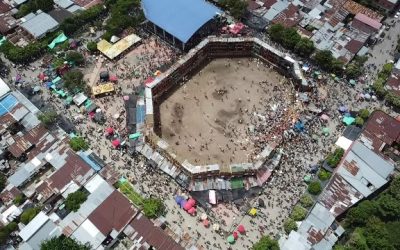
x: 253, y: 211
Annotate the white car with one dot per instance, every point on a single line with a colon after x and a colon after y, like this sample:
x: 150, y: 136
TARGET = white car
x: 396, y: 16
x: 398, y: 13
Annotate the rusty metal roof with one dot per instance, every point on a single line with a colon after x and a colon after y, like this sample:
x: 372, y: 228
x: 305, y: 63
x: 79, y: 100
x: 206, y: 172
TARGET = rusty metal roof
x: 29, y: 139
x: 339, y: 195
x: 113, y: 214
x: 290, y: 17
x: 146, y: 233
x: 384, y: 127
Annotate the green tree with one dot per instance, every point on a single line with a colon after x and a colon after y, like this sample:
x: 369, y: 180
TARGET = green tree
x: 394, y: 231
x: 386, y: 71
x: 357, y: 240
x: 3, y: 236
x: 22, y: 54
x: 393, y: 99
x: 290, y: 38
x: 314, y: 187
x: 306, y: 201
x: 75, y: 57
x: 33, y: 6
x: 62, y: 243
x: 73, y: 80
x: 363, y: 113
x: 29, y: 214
x: 48, y: 117
x: 304, y: 47
x: 3, y: 181
x: 388, y: 207
x: 6, y: 231
x: 359, y: 215
x: 324, y: 175
x: 92, y: 46
x: 336, y: 66
x: 78, y: 143
x: 394, y: 189
x: 289, y: 225
x: 275, y: 31
x: 376, y: 235
x: 359, y: 121
x: 77, y: 21
x: 19, y: 199
x: 74, y: 200
x: 124, y: 14
x: 152, y: 207
x: 266, y: 243
x: 353, y: 70
x: 334, y: 158
x: 298, y: 213
x: 324, y: 58
x: 237, y: 8
x: 379, y: 88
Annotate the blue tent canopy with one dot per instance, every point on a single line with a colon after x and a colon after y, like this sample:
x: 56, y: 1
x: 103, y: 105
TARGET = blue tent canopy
x: 180, y: 18
x: 299, y: 126
x: 179, y: 199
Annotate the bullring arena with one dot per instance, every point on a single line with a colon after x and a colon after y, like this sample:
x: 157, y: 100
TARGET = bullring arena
x: 211, y: 118
x: 210, y: 113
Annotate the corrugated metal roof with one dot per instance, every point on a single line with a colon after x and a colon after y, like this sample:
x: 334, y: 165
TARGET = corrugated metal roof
x: 74, y: 8
x: 87, y: 232
x: 114, y: 213
x: 74, y: 219
x: 47, y: 231
x: 39, y: 25
x: 339, y: 195
x: 33, y: 226
x: 64, y: 3
x: 377, y: 163
x: 180, y: 18
x: 142, y: 231
x: 368, y: 21
x: 364, y: 169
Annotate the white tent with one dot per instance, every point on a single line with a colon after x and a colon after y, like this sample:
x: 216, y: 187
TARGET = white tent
x: 343, y: 142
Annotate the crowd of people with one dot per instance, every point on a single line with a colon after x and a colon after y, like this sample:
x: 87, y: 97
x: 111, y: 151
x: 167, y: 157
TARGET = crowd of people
x: 286, y: 186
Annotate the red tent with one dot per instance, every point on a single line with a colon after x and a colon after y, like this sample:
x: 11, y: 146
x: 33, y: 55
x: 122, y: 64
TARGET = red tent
x: 116, y: 143
x: 109, y: 130
x: 235, y: 235
x: 192, y: 211
x: 206, y: 223
x: 192, y: 202
x: 149, y: 80
x: 187, y: 206
x: 113, y: 78
x: 41, y: 76
x: 241, y: 229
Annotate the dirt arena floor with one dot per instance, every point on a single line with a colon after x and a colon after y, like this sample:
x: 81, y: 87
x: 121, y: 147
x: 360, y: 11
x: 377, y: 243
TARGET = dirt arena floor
x: 207, y: 120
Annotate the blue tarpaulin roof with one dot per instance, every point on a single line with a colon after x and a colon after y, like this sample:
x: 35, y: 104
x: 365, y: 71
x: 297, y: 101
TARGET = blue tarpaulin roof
x: 140, y: 114
x: 180, y: 18
x: 91, y: 163
x: 7, y: 104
